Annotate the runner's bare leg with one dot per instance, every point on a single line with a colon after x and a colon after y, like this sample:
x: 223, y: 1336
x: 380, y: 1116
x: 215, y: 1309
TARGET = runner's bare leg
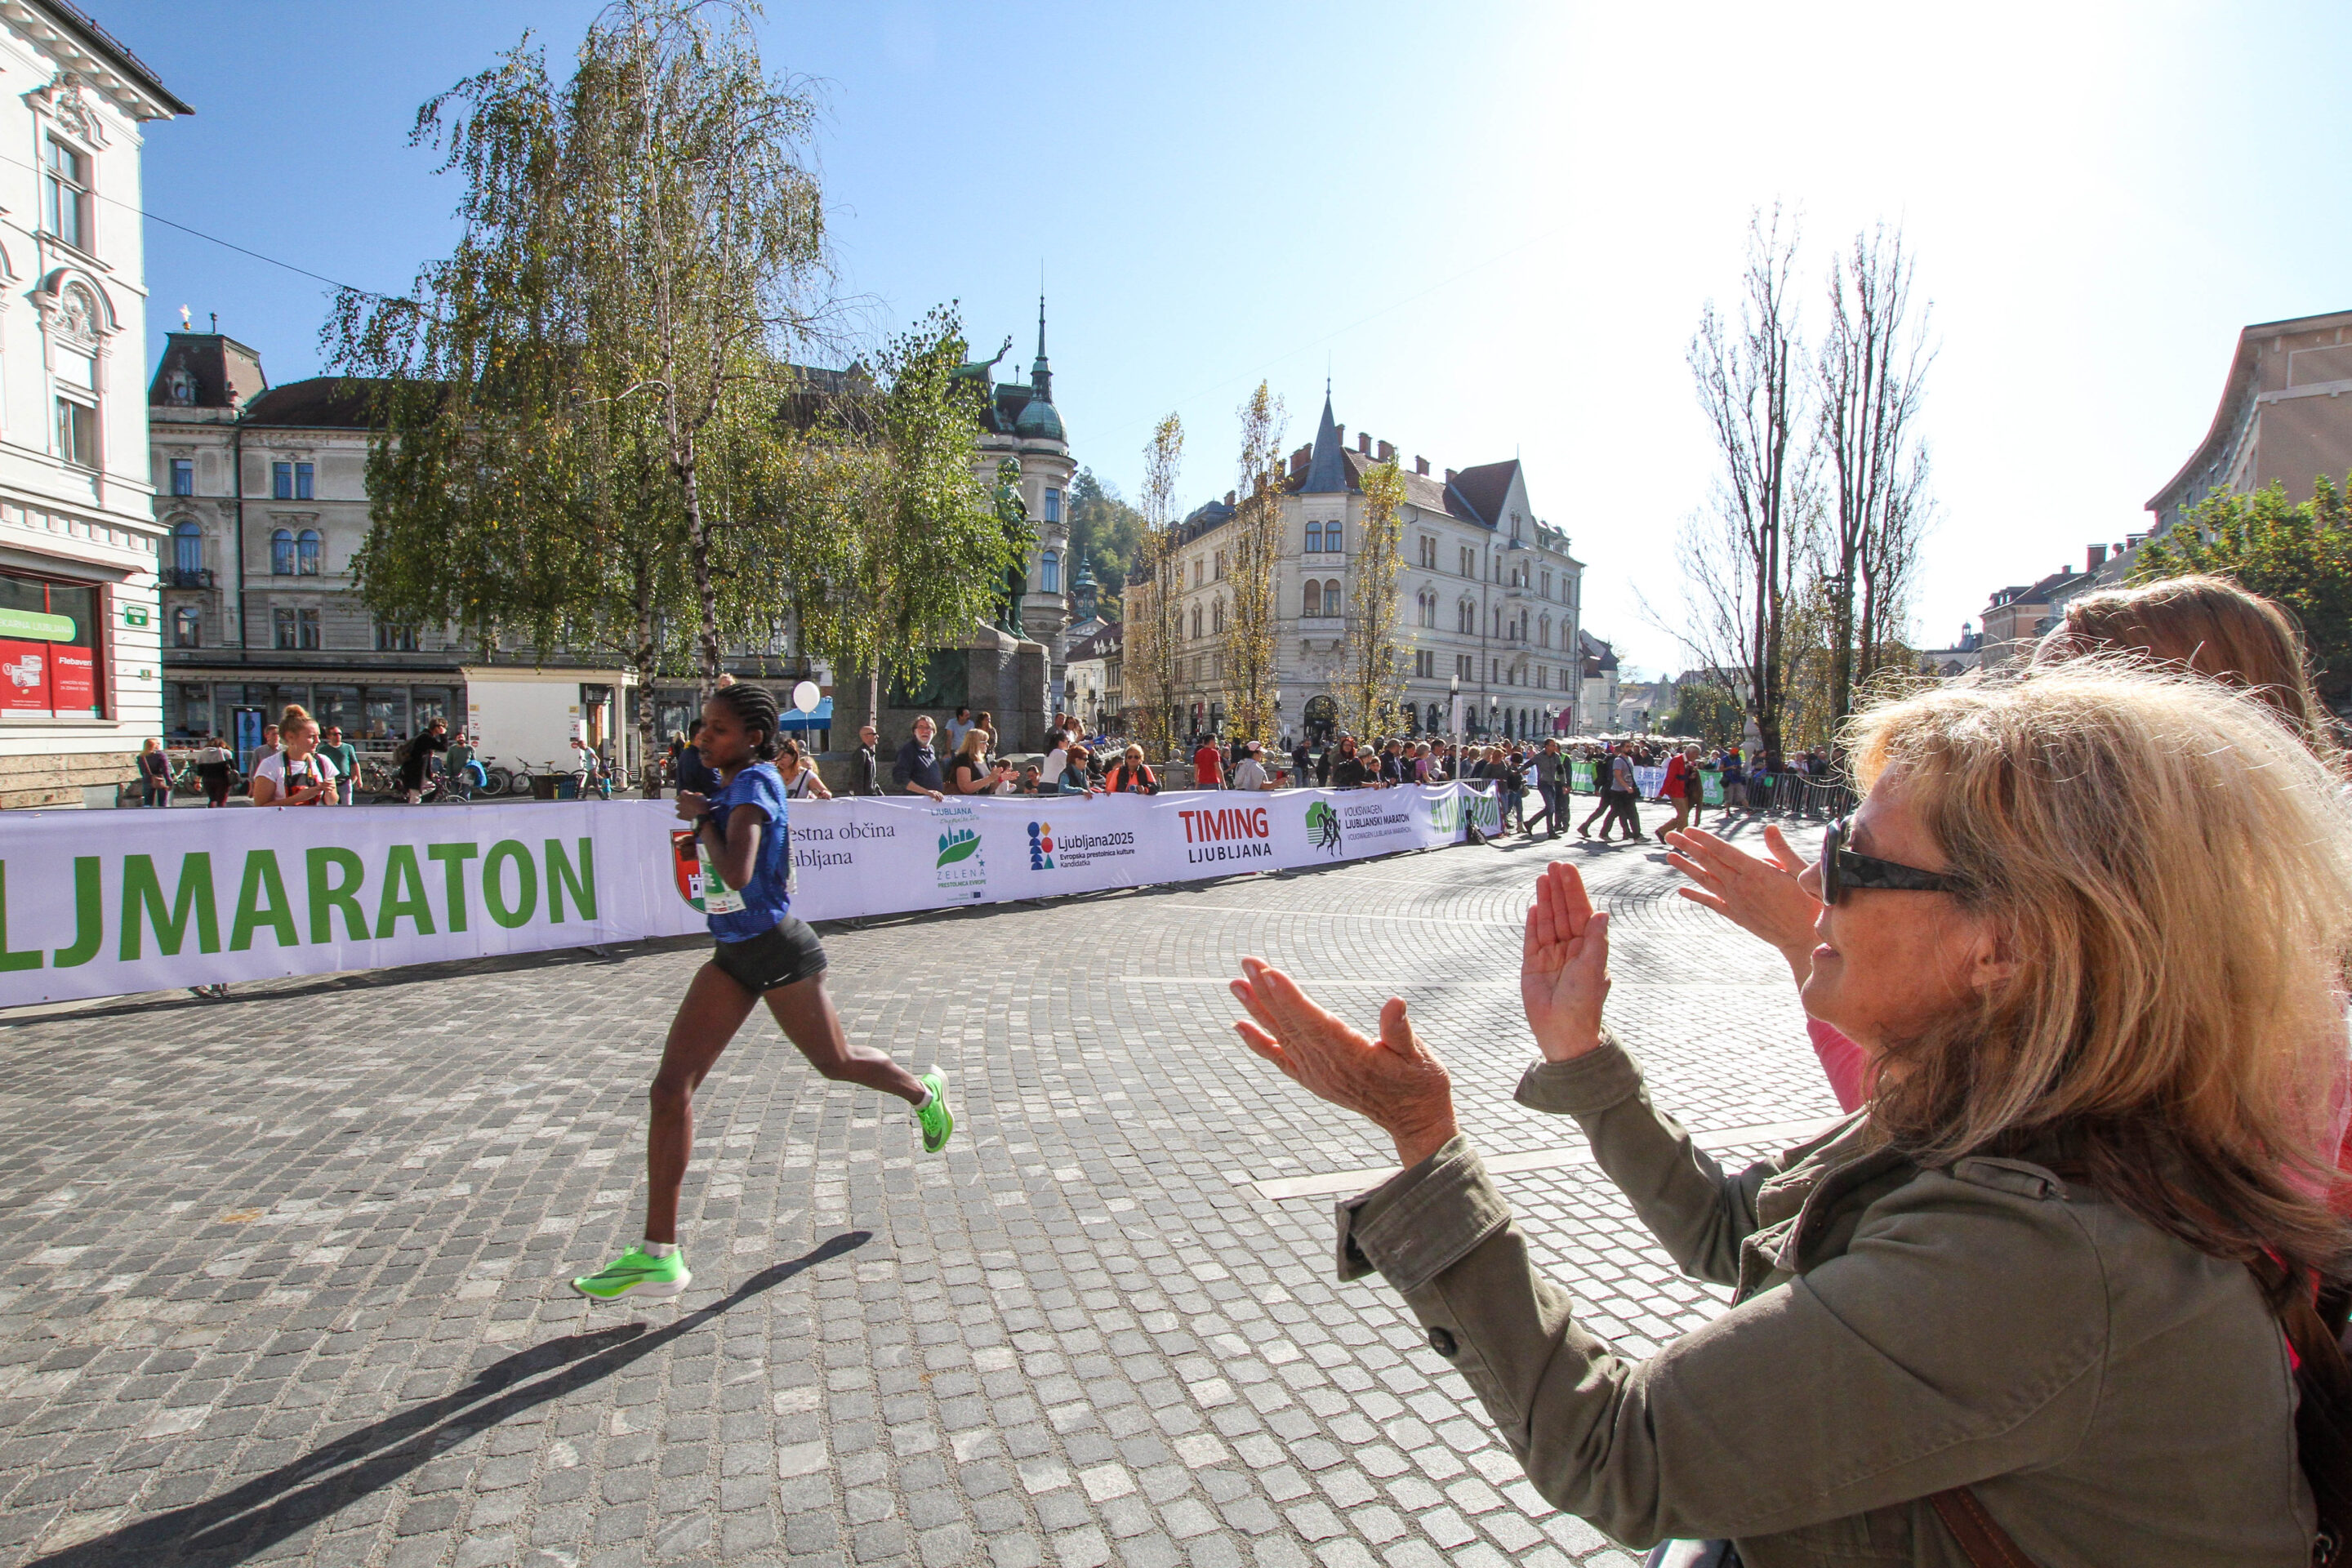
x: 714, y: 1009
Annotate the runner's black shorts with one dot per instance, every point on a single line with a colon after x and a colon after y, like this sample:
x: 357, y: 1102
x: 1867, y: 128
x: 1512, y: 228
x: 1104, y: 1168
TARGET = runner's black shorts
x: 789, y: 953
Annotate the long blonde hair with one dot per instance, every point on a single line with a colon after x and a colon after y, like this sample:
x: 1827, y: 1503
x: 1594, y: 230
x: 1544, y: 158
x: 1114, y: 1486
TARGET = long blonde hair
x: 2208, y: 626
x: 2170, y: 874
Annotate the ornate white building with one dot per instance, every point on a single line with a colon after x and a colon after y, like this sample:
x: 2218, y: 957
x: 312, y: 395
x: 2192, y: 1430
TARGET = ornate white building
x: 1488, y: 597
x: 1022, y: 423
x: 80, y: 681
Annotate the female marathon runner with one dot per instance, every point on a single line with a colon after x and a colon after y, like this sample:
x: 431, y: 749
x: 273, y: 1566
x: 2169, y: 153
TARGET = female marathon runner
x: 763, y: 951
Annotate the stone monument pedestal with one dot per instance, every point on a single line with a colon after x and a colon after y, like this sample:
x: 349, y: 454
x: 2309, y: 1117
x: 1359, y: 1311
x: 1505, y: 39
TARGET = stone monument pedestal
x: 990, y: 671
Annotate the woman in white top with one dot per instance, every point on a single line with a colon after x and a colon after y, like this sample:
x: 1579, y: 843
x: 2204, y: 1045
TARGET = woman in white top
x: 799, y: 774
x: 296, y: 774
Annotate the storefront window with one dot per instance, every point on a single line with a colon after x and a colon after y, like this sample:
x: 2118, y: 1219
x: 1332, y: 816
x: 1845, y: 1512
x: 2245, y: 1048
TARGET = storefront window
x: 338, y: 705
x: 48, y: 648
x: 674, y: 714
x: 385, y: 712
x: 430, y: 702
x: 188, y: 709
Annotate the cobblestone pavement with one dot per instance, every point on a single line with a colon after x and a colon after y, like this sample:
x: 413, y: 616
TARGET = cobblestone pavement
x: 285, y: 1275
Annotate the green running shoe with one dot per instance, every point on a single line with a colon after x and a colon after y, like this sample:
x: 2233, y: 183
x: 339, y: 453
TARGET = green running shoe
x: 935, y: 1119
x: 633, y: 1271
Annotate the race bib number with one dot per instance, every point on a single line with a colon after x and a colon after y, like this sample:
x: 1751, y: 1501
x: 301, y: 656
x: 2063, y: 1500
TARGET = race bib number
x: 718, y: 897
x: 698, y: 882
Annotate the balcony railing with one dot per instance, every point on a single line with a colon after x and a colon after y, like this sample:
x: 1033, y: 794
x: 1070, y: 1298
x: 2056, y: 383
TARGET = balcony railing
x: 186, y: 577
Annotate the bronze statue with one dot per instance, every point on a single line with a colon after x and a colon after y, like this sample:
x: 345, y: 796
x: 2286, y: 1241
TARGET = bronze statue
x: 1013, y: 517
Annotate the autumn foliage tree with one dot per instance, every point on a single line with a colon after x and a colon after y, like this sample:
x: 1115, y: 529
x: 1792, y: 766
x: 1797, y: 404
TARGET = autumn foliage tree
x: 1152, y: 628
x: 1373, y: 680
x: 1249, y: 645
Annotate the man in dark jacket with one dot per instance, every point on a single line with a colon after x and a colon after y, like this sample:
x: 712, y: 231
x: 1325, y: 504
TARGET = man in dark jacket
x: 865, y: 767
x: 917, y: 770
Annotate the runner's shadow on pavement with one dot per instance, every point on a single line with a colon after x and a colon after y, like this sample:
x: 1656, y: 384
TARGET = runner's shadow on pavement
x: 238, y: 1525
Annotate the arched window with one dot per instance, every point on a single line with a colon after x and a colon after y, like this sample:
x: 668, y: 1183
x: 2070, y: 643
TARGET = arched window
x: 1315, y: 538
x: 187, y: 626
x: 1543, y: 639
x: 1314, y: 604
x: 187, y: 551
x: 1330, y: 596
x: 1466, y: 617
x: 306, y: 553
x: 1217, y: 617
x: 1196, y: 620
x: 1436, y: 719
x: 281, y: 553
x: 1049, y: 574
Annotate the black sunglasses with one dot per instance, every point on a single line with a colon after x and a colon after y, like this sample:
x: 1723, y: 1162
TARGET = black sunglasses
x: 1843, y: 870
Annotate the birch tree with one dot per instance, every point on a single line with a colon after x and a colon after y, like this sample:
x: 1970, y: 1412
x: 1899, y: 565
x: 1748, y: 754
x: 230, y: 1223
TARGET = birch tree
x: 1250, y: 650
x: 577, y: 404
x: 1868, y: 382
x: 1147, y: 668
x: 1744, y: 554
x: 892, y: 545
x: 1373, y: 681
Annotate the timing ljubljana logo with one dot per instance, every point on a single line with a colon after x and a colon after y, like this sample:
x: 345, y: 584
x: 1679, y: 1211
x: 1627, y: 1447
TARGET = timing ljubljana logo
x: 1041, y: 847
x: 1227, y: 833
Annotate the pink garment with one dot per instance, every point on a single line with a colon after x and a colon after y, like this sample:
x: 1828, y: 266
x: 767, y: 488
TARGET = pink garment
x: 1849, y: 1075
x: 1843, y: 1063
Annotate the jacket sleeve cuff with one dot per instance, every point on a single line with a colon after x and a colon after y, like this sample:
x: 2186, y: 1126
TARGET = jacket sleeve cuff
x: 1583, y: 1086
x: 1423, y: 1220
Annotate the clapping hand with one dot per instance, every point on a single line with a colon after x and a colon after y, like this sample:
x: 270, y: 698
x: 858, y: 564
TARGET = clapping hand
x: 1392, y: 1081
x: 1760, y: 896
x: 1564, y: 965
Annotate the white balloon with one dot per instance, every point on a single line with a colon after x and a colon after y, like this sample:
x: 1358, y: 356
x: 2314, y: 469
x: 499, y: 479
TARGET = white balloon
x: 805, y: 697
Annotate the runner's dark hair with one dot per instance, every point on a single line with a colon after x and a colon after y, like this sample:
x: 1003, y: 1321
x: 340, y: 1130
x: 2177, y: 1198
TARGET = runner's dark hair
x: 755, y: 707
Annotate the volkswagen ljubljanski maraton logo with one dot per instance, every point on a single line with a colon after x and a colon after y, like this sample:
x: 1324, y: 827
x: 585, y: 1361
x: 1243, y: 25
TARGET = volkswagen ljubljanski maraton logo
x: 1323, y: 827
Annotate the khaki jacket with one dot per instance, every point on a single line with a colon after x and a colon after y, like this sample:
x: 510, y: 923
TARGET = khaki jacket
x: 2113, y: 1396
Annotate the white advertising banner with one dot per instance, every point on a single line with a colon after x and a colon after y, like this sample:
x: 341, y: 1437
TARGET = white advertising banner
x: 102, y: 904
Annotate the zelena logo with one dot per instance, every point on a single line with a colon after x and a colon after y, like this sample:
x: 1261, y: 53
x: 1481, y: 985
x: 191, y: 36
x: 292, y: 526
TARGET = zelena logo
x: 962, y: 871
x: 1323, y: 827
x: 1041, y: 847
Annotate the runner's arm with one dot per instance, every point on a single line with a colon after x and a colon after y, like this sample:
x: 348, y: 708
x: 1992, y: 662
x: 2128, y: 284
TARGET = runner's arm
x: 734, y: 852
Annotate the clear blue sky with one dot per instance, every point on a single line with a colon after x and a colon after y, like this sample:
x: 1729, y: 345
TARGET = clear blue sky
x: 1496, y: 224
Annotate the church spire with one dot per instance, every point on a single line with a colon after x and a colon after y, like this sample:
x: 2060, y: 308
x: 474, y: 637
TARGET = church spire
x: 1041, y: 376
x: 1326, y: 470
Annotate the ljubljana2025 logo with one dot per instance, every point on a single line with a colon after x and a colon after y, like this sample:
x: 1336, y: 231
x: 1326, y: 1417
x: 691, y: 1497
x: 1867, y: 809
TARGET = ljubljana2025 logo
x: 1041, y: 847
